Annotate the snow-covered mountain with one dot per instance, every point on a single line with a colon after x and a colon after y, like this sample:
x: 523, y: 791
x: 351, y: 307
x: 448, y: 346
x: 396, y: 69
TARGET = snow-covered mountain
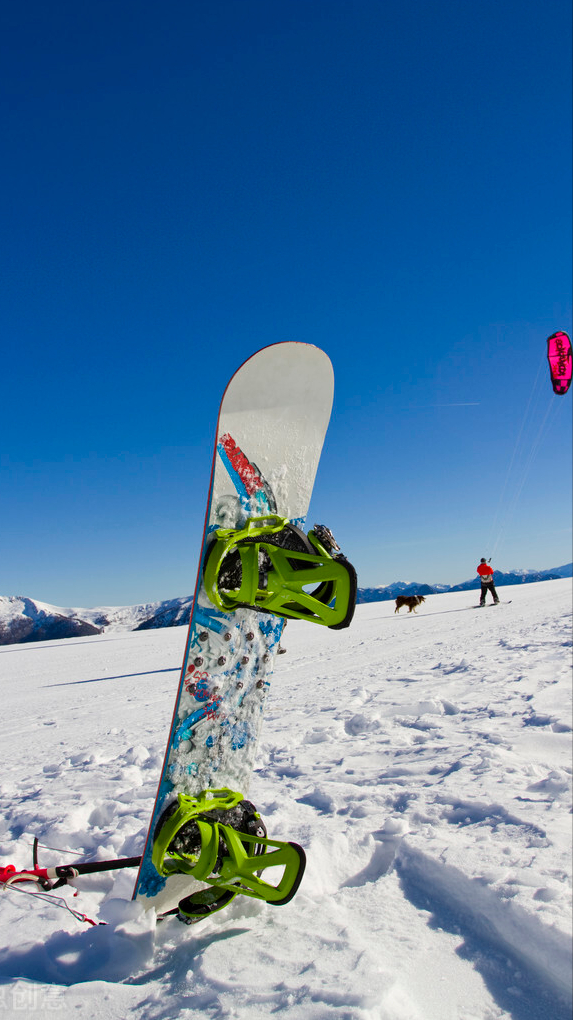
x: 23, y: 619
x: 390, y: 591
x: 385, y: 593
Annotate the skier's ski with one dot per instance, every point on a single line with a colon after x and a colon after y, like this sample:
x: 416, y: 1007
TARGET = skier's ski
x: 256, y: 568
x: 489, y: 605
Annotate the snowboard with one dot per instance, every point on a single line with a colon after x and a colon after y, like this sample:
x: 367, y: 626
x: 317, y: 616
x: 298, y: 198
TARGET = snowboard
x: 270, y: 431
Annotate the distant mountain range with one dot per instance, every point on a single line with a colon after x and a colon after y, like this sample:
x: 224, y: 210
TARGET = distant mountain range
x: 23, y: 619
x: 391, y: 591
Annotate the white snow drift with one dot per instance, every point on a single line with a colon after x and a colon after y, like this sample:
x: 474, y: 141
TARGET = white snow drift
x: 424, y: 762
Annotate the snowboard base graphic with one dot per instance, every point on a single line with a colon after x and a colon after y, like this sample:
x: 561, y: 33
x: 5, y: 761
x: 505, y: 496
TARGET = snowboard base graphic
x: 271, y: 427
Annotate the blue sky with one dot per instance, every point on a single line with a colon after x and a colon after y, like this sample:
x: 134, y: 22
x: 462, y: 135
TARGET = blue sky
x: 185, y: 183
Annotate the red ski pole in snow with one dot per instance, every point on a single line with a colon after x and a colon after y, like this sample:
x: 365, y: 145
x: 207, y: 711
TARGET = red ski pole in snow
x: 52, y: 878
x: 48, y: 879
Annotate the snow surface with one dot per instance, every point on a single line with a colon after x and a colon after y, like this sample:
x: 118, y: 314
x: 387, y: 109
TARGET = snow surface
x: 423, y: 761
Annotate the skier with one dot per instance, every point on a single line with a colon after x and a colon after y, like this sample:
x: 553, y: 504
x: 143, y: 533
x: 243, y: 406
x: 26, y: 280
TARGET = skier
x: 486, y: 577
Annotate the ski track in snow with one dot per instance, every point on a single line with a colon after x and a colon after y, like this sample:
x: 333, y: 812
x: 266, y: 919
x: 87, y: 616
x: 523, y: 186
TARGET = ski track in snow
x: 423, y: 761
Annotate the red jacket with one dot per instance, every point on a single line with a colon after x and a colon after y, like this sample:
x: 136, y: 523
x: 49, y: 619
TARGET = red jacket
x: 484, y: 570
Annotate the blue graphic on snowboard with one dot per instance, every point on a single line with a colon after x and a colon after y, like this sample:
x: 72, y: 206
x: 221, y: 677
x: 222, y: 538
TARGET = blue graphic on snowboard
x: 223, y: 688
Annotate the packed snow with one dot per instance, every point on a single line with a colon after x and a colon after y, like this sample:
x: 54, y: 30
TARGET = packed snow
x: 423, y: 761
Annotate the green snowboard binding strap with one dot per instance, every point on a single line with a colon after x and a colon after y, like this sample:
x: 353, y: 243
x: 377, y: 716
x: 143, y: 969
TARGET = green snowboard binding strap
x: 219, y: 838
x: 269, y: 564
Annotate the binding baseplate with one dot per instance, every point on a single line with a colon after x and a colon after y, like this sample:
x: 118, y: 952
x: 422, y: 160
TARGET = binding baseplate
x: 219, y: 838
x: 270, y: 563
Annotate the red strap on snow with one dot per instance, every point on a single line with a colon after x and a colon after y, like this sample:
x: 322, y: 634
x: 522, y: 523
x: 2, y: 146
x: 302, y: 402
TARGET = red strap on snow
x: 10, y: 879
x: 9, y: 875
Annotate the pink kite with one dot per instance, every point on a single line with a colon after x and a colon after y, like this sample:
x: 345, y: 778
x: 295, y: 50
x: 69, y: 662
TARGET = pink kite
x: 559, y: 358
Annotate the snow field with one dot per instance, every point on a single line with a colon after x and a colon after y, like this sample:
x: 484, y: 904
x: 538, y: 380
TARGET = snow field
x: 423, y: 761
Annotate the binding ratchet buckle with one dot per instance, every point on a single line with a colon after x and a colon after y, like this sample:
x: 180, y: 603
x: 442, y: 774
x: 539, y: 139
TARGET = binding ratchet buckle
x: 271, y: 566
x: 219, y: 838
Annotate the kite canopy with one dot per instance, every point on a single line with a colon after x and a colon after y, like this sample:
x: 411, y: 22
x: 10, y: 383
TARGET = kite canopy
x: 560, y: 363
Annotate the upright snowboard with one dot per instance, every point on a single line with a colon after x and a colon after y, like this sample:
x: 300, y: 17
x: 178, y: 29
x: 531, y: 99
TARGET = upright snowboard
x: 271, y: 427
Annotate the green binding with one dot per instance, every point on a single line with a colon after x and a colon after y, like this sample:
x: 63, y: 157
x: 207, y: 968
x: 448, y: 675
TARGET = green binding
x: 220, y: 854
x: 268, y: 564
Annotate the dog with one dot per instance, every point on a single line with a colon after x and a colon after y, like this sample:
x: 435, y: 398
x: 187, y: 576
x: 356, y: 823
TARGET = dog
x: 409, y: 600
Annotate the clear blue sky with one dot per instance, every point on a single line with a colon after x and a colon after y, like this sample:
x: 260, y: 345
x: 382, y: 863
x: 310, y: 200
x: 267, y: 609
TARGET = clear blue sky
x: 183, y: 183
